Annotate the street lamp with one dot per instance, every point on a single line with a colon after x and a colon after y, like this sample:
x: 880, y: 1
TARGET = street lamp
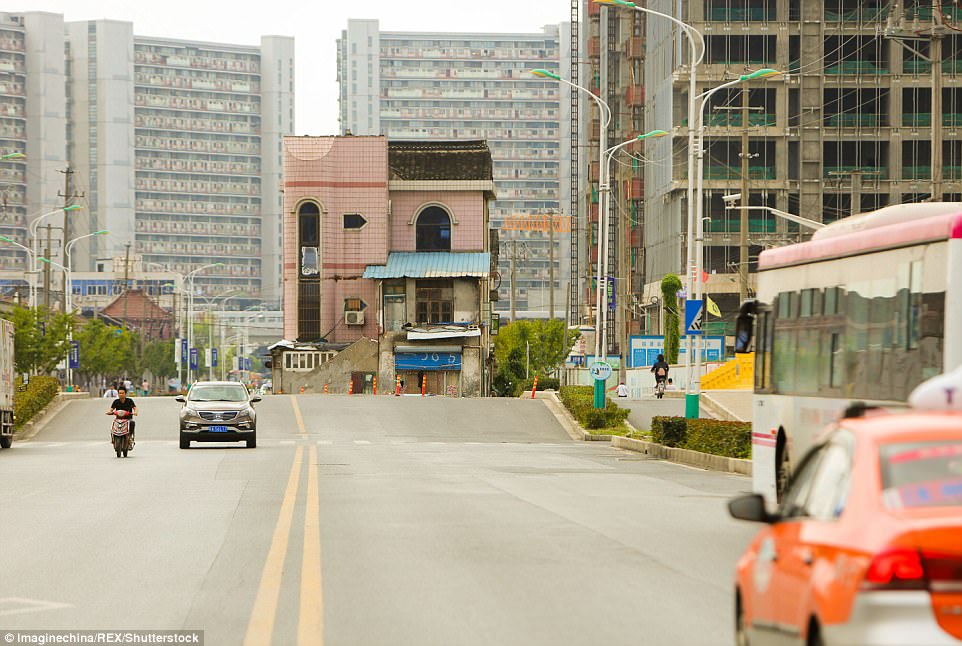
x: 605, y: 110
x: 35, y: 224
x: 68, y: 299
x: 696, y: 44
x: 694, y: 382
x: 66, y: 271
x: 609, y: 155
x: 31, y: 285
x: 791, y: 217
x: 190, y: 310
x: 210, y: 324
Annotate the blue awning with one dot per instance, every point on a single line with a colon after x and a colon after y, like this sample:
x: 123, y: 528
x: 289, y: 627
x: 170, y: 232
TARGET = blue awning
x: 431, y: 264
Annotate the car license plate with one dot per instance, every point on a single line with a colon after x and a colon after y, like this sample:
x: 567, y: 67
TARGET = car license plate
x: 217, y: 429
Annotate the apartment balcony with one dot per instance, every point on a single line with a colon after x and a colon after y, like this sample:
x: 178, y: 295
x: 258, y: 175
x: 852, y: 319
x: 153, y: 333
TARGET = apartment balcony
x: 918, y: 66
x: 12, y: 88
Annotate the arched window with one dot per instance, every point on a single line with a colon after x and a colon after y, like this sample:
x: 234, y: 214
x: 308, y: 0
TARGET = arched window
x: 433, y: 230
x: 309, y: 284
x: 308, y: 235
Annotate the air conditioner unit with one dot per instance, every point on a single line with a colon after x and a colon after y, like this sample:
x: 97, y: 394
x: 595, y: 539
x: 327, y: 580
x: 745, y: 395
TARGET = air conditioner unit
x: 354, y: 318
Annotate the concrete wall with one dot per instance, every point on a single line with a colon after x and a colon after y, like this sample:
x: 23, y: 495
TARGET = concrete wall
x: 362, y: 356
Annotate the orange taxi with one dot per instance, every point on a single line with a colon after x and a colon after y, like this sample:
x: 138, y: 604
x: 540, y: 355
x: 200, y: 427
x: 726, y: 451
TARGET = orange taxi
x: 866, y: 547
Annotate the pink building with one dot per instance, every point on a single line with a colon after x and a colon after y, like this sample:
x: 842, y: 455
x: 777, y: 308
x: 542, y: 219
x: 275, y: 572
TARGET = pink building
x: 388, y: 241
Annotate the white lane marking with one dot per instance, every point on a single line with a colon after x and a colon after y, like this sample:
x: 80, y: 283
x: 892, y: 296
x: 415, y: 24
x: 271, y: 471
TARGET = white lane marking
x: 54, y: 445
x: 324, y: 442
x: 361, y: 442
x: 21, y: 605
x: 286, y: 442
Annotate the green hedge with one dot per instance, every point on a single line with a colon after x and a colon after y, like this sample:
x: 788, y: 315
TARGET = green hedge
x: 729, y: 439
x: 30, y: 400
x: 544, y: 383
x: 669, y: 431
x: 580, y: 401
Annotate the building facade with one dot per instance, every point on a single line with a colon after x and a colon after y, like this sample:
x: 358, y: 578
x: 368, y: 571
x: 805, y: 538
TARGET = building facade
x: 853, y: 125
x: 173, y: 146
x: 388, y: 242
x: 426, y: 86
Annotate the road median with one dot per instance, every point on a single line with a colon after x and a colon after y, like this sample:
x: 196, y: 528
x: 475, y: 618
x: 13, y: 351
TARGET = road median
x: 684, y: 456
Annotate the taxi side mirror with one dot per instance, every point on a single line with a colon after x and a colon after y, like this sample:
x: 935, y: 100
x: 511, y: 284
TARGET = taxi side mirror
x: 750, y: 507
x: 180, y: 398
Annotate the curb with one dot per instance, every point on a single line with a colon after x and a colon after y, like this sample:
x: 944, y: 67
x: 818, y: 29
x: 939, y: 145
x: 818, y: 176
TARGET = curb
x: 569, y: 423
x: 684, y: 456
x: 41, y: 419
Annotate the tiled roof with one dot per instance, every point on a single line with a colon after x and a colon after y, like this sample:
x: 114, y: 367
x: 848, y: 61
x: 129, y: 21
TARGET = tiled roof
x: 431, y: 264
x: 140, y: 307
x: 439, y: 160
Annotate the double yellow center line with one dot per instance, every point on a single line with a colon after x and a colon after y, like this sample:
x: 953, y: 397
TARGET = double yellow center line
x: 310, y: 625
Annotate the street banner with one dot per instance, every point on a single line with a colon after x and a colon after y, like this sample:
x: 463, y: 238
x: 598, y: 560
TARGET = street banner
x: 193, y: 358
x: 74, y: 357
x: 183, y: 351
x: 213, y: 357
x: 178, y: 351
x: 207, y: 357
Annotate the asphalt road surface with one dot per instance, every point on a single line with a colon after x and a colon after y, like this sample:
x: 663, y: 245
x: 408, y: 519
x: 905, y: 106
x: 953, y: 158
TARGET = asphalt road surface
x: 365, y: 520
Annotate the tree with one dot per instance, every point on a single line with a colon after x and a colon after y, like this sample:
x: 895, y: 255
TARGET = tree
x: 41, y: 339
x: 107, y: 351
x: 542, y: 341
x: 159, y: 358
x: 670, y: 286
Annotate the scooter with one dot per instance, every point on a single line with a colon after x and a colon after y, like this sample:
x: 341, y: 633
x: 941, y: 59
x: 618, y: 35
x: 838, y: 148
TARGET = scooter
x: 120, y: 433
x: 660, y: 389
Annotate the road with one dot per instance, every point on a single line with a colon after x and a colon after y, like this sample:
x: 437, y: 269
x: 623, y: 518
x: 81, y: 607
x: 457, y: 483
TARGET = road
x: 377, y: 521
x: 642, y: 410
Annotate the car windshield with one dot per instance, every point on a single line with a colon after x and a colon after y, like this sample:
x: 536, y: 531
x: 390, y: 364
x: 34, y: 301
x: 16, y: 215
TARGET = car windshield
x: 922, y: 474
x: 218, y: 393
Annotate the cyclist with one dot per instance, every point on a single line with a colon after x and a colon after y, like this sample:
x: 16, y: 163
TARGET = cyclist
x: 660, y: 370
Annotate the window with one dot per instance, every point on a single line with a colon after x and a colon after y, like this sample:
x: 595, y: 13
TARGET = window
x: 433, y: 230
x: 308, y: 233
x: 434, y: 301
x: 306, y: 360
x: 395, y: 307
x: 354, y: 221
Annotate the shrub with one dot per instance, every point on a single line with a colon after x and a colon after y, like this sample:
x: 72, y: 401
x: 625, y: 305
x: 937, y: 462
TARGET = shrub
x: 580, y: 401
x: 33, y: 398
x: 544, y: 383
x: 669, y: 431
x: 730, y: 439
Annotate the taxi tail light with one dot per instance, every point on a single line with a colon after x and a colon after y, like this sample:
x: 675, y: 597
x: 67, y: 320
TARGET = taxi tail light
x: 944, y: 571
x: 899, y: 568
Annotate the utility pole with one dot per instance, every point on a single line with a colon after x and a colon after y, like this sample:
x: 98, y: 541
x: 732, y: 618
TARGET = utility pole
x: 743, y: 220
x: 126, y: 274
x: 935, y: 52
x: 68, y: 198
x: 551, y: 265
x: 514, y: 275
x: 46, y: 273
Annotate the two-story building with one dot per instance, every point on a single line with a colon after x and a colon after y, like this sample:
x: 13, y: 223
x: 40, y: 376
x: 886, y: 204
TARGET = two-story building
x: 385, y: 242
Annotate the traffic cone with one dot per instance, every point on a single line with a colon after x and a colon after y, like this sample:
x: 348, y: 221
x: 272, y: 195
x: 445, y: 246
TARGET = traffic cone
x: 424, y: 384
x: 350, y: 388
x: 302, y: 390
x: 375, y: 384
x: 325, y: 389
x: 534, y: 388
x: 397, y: 385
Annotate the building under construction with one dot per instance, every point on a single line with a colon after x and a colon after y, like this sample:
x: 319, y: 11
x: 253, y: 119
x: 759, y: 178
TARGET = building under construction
x: 852, y: 125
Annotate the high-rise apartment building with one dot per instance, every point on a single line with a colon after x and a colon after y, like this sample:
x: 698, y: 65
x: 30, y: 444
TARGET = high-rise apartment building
x: 181, y: 142
x: 612, y: 67
x: 33, y: 120
x: 852, y: 126
x: 412, y: 85
x: 173, y: 146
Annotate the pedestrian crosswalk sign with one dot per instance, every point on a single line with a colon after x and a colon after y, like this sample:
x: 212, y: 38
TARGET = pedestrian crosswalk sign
x: 694, y: 314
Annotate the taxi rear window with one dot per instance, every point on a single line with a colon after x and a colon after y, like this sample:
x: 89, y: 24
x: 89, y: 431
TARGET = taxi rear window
x: 922, y: 474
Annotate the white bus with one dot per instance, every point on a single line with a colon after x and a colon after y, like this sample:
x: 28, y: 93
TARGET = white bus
x: 866, y: 310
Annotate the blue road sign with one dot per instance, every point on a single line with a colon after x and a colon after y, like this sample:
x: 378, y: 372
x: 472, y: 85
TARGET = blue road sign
x: 694, y: 314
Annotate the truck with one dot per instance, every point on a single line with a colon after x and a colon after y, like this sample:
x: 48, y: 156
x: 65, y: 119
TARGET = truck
x: 7, y: 385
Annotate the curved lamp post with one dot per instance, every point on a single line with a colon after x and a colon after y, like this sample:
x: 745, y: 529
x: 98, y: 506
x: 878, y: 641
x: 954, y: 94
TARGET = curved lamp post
x: 190, y: 311
x: 693, y: 393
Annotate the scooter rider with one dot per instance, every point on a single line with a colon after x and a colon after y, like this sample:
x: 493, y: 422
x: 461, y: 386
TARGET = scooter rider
x: 660, y: 369
x: 124, y: 403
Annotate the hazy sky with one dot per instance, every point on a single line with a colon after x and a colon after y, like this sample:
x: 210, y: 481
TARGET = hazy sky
x: 315, y: 27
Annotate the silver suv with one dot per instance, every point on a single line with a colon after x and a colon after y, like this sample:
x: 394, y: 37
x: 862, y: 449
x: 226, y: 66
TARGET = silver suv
x: 218, y: 411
